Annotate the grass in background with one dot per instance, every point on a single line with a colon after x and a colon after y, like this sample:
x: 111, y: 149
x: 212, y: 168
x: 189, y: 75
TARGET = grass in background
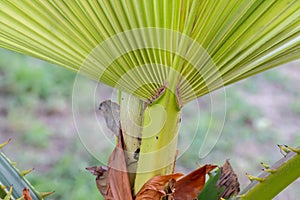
x: 35, y: 111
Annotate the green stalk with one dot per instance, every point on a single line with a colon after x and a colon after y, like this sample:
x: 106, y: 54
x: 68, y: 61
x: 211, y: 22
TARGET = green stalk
x: 159, y: 139
x: 11, y: 176
x: 131, y: 117
x: 283, y: 173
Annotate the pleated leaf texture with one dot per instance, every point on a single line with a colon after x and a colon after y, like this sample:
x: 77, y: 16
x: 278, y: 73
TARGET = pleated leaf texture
x: 139, y: 46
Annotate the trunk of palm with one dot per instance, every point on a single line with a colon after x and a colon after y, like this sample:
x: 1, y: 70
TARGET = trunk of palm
x: 150, y: 136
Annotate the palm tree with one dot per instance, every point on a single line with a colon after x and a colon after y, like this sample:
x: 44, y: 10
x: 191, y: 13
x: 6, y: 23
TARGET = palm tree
x: 164, y: 52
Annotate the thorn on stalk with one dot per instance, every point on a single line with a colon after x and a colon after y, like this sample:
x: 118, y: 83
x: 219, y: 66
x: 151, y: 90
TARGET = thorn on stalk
x: 265, y: 165
x: 25, y: 172
x: 295, y: 150
x: 5, y: 143
x: 8, y: 195
x: 283, y: 150
x: 45, y: 194
x: 270, y: 170
x: 254, y: 178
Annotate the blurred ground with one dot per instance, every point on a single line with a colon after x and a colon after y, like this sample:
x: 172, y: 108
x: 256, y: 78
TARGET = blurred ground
x: 36, y: 112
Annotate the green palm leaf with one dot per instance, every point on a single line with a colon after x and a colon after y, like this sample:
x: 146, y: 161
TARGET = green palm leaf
x: 139, y: 46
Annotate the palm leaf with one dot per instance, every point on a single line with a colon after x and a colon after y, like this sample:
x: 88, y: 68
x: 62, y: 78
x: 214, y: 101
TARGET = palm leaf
x: 138, y: 46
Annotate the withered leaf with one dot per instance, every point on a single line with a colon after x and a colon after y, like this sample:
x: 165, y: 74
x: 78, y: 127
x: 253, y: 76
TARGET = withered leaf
x: 170, y: 189
x: 189, y: 186
x: 26, y: 194
x: 118, y: 181
x: 101, y: 178
x: 228, y: 179
x: 158, y: 187
x: 111, y: 113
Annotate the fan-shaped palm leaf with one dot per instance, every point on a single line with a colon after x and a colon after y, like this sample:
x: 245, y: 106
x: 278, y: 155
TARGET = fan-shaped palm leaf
x: 201, y: 40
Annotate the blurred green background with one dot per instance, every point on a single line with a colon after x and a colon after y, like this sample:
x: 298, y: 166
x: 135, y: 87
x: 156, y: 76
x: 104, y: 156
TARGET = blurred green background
x: 36, y: 112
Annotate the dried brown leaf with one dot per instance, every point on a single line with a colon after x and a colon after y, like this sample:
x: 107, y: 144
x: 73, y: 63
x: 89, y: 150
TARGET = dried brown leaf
x: 228, y: 179
x: 26, y: 194
x: 111, y: 113
x: 118, y: 181
x: 158, y: 187
x: 190, y: 185
x: 101, y: 178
